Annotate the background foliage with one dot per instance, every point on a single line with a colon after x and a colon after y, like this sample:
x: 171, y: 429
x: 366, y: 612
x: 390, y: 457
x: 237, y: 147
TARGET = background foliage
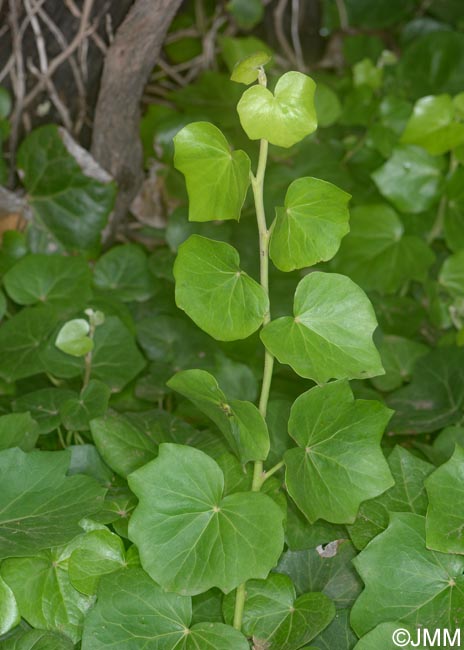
x: 76, y: 443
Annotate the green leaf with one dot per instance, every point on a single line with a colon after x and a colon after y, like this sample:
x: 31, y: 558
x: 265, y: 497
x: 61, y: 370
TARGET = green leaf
x: 407, y: 495
x: 330, y: 335
x: 454, y: 214
x: 116, y: 359
x: 44, y: 406
x: 51, y: 279
x: 9, y: 612
x: 217, y: 179
x: 217, y: 295
x: 22, y: 339
x: 73, y: 206
x: 241, y: 422
x: 432, y: 125
x: 365, y: 73
x: 382, y: 637
x: 39, y: 505
x: 235, y: 49
x: 338, y: 635
x: 246, y: 71
x: 131, y: 609
x: 46, y: 598
x: 378, y: 255
x: 284, y: 117
x: 338, y: 463
x: 37, y: 640
x: 399, y: 356
x: 412, y: 179
x: 247, y: 13
x: 123, y: 271
x: 329, y: 570
x: 18, y: 430
x: 121, y: 444
x: 328, y: 107
x: 452, y: 274
x: 435, y: 397
x: 276, y: 618
x: 405, y: 582
x: 445, y: 443
x: 92, y: 402
x: 73, y: 338
x: 445, y: 514
x: 96, y: 554
x: 310, y: 227
x: 182, y: 518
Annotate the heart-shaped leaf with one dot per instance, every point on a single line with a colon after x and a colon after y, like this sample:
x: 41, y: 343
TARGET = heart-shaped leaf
x: 338, y: 462
x: 18, y: 430
x: 94, y: 555
x: 406, y: 582
x: 310, y: 227
x: 378, y: 255
x: 73, y: 338
x: 131, y: 609
x: 445, y: 514
x: 276, y: 618
x: 330, y: 335
x: 217, y: 295
x: 246, y: 71
x: 432, y: 125
x: 183, y: 518
x: 123, y: 271
x: 92, y: 402
x: 217, y: 178
x: 284, y: 117
x: 241, y: 423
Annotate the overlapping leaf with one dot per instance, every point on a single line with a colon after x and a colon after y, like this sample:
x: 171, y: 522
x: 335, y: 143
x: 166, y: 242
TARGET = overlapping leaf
x: 338, y: 462
x: 182, y: 518
x: 330, y: 335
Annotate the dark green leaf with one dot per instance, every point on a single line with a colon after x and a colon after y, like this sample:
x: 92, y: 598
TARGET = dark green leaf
x: 123, y: 271
x: 18, y: 430
x: 44, y: 406
x: 92, y: 402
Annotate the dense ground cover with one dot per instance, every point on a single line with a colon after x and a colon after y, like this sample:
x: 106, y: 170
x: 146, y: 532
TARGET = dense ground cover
x: 201, y: 447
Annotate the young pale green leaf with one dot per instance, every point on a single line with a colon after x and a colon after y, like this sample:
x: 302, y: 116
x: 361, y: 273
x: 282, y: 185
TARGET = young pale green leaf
x: 235, y: 49
x: 329, y: 570
x: 44, y: 406
x: 18, y: 430
x: 9, y: 612
x: 399, y: 356
x: 40, y: 506
x: 432, y: 125
x: 122, y: 444
x: 378, y: 255
x: 452, y: 274
x: 92, y: 402
x: 132, y: 609
x: 411, y: 179
x: 247, y: 70
x: 217, y: 295
x: 406, y: 582
x: 241, y: 423
x: 387, y: 635
x: 338, y: 462
x: 435, y: 397
x: 445, y: 514
x: 330, y: 335
x: 310, y: 226
x: 45, y: 596
x: 73, y: 338
x: 51, y: 279
x: 276, y: 618
x: 217, y: 178
x: 96, y: 554
x: 72, y: 205
x: 183, y: 518
x: 407, y: 495
x: 123, y: 271
x: 284, y: 117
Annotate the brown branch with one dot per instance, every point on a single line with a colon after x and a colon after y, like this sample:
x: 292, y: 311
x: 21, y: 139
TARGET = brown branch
x: 129, y: 61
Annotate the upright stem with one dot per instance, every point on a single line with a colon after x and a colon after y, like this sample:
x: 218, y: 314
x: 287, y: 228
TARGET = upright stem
x: 257, y: 184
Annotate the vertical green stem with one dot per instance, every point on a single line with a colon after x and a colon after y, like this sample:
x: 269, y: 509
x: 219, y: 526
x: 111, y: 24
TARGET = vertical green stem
x: 257, y: 184
x: 88, y: 358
